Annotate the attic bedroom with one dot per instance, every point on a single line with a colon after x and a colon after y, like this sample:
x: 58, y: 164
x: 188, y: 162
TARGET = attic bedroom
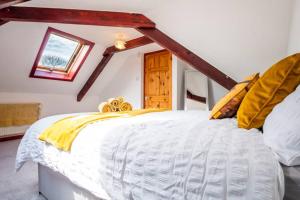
x: 146, y: 100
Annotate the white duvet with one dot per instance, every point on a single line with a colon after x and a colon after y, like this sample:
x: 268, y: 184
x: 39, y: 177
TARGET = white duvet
x: 170, y: 155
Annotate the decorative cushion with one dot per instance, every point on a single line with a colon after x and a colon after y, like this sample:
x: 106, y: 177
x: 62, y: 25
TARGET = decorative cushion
x: 282, y: 128
x: 229, y: 104
x: 275, y: 84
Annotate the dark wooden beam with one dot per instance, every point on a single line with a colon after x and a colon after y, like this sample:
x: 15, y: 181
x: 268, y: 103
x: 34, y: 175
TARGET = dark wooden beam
x: 71, y: 16
x: 11, y: 137
x: 141, y: 41
x: 7, y: 3
x: 2, y: 22
x: 192, y: 96
x: 188, y: 56
x: 107, y: 55
x: 94, y: 76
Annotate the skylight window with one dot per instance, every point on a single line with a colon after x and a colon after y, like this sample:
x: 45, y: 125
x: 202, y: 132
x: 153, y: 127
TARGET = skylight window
x: 60, y: 56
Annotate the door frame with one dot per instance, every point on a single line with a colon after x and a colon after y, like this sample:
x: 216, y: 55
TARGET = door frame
x: 143, y: 75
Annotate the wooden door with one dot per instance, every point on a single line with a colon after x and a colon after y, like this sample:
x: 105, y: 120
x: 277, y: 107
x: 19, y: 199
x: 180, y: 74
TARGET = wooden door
x: 158, y: 80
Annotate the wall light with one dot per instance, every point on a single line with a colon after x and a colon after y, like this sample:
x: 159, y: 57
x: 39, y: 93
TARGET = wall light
x: 120, y: 44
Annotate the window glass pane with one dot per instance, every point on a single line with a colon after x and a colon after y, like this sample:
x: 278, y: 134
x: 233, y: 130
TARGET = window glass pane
x: 58, y: 52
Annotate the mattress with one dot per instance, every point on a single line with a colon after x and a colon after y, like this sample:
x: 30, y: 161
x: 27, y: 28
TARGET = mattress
x: 292, y: 182
x: 169, y: 155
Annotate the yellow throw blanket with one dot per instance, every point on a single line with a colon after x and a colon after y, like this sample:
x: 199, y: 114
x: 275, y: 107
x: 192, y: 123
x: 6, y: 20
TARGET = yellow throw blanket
x: 63, y: 132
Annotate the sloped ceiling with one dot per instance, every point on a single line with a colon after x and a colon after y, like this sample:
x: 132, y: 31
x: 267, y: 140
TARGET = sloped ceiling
x: 139, y: 6
x: 238, y: 37
x: 20, y: 42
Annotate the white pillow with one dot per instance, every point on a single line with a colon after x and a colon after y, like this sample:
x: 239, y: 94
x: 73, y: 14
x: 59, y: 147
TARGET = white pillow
x: 282, y: 129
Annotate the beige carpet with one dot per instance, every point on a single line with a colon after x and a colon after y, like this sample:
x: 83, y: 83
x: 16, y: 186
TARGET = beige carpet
x: 22, y: 185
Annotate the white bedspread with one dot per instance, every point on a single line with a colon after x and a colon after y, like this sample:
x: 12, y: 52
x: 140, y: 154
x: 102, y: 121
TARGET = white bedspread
x: 170, y: 155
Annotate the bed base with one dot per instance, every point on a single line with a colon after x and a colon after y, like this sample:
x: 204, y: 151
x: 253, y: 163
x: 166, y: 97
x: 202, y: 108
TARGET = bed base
x: 54, y: 186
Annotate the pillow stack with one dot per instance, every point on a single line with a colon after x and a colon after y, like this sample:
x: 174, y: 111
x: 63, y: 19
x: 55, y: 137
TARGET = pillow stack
x: 275, y: 84
x: 114, y: 105
x: 229, y: 104
x: 253, y: 106
x: 273, y: 102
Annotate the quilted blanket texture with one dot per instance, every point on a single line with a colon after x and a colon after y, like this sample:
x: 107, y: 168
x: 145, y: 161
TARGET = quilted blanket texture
x: 169, y: 155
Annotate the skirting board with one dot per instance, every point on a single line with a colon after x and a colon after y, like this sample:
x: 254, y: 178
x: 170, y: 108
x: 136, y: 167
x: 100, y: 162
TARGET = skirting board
x: 11, y: 137
x: 55, y: 186
x: 12, y: 130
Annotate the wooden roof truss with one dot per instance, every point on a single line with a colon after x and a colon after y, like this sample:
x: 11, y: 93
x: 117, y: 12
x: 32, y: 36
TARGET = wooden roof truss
x: 116, y: 19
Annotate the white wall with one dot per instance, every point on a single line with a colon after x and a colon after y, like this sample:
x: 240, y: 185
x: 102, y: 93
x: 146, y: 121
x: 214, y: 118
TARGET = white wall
x: 123, y: 76
x: 20, y: 43
x: 178, y: 68
x: 52, y: 104
x: 238, y: 37
x: 294, y: 42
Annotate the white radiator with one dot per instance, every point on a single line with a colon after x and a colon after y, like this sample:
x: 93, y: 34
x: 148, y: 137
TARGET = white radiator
x: 6, y: 131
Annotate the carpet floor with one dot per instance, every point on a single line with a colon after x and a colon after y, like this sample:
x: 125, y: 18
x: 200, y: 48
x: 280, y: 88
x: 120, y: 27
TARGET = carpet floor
x: 22, y: 185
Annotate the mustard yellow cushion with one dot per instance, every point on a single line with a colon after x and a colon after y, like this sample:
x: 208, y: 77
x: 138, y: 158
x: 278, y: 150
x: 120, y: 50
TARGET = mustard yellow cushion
x: 275, y: 84
x: 229, y: 104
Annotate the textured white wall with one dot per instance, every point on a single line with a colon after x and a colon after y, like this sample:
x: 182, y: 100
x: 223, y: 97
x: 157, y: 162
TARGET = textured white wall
x: 123, y: 76
x: 294, y: 42
x: 238, y: 37
x: 178, y: 68
x: 52, y: 104
x: 179, y: 78
x: 20, y: 43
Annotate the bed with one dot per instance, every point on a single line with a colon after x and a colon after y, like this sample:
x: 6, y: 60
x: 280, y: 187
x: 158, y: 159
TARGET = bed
x: 168, y: 155
x: 292, y: 182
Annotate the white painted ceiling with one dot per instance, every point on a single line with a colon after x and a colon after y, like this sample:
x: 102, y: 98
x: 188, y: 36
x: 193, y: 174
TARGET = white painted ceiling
x: 20, y: 42
x: 140, y: 6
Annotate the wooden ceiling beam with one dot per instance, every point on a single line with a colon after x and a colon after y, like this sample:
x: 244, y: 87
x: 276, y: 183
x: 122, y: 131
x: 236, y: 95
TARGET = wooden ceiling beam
x: 141, y: 41
x: 188, y: 56
x: 107, y: 55
x: 119, y: 19
x: 94, y: 76
x: 71, y: 16
x: 8, y: 3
